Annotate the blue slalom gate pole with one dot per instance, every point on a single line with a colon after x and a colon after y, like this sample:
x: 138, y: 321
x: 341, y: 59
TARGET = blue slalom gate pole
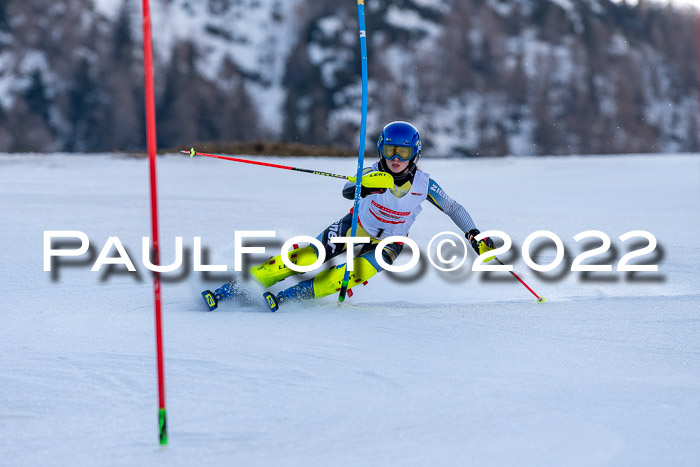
x: 363, y: 132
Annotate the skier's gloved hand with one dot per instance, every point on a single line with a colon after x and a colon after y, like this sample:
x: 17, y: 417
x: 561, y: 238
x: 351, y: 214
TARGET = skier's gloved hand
x: 364, y: 191
x: 375, y: 181
x: 480, y: 246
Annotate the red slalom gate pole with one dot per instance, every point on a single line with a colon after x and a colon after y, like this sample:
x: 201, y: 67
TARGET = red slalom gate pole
x: 155, y: 244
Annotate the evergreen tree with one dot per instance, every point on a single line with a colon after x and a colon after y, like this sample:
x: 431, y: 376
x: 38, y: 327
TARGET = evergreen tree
x: 36, y: 97
x: 85, y: 111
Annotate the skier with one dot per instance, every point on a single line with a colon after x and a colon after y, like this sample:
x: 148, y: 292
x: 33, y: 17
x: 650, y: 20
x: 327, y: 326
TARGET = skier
x: 382, y: 213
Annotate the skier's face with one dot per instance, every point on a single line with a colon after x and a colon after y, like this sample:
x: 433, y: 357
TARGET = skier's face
x: 397, y: 165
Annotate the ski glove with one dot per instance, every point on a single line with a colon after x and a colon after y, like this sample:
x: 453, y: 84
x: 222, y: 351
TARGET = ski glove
x: 375, y: 182
x: 349, y: 191
x: 480, y: 246
x: 364, y: 191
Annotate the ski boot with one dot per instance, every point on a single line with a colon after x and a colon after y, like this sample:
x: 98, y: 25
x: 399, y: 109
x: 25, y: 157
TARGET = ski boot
x: 304, y: 290
x: 224, y: 292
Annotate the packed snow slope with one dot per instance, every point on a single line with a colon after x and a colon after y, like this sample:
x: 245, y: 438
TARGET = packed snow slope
x: 417, y: 368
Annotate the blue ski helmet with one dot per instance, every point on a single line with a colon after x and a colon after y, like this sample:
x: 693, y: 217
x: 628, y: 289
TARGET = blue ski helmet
x: 402, y: 140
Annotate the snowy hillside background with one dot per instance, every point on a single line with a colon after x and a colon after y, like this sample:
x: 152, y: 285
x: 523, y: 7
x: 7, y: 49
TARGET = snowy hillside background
x: 478, y: 77
x: 415, y: 369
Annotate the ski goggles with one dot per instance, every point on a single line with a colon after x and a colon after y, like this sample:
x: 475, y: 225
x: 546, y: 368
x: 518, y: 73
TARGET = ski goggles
x: 391, y: 152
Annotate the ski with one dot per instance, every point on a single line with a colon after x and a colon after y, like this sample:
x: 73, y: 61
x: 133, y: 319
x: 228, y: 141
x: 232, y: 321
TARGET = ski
x: 231, y: 292
x: 210, y: 300
x: 271, y: 301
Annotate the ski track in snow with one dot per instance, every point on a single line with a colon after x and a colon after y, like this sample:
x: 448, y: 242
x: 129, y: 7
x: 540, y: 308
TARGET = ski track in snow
x: 433, y: 369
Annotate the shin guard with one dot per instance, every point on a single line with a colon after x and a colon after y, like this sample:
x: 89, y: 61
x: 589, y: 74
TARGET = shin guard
x: 274, y: 270
x: 329, y: 281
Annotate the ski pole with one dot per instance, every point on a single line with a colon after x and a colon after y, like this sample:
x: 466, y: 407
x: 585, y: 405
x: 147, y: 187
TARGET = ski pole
x: 193, y: 153
x: 539, y: 299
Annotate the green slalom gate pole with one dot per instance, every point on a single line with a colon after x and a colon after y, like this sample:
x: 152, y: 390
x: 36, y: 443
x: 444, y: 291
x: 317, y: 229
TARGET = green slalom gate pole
x: 363, y: 132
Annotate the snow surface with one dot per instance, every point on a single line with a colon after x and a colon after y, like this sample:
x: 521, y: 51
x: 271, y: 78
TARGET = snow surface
x: 416, y: 369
